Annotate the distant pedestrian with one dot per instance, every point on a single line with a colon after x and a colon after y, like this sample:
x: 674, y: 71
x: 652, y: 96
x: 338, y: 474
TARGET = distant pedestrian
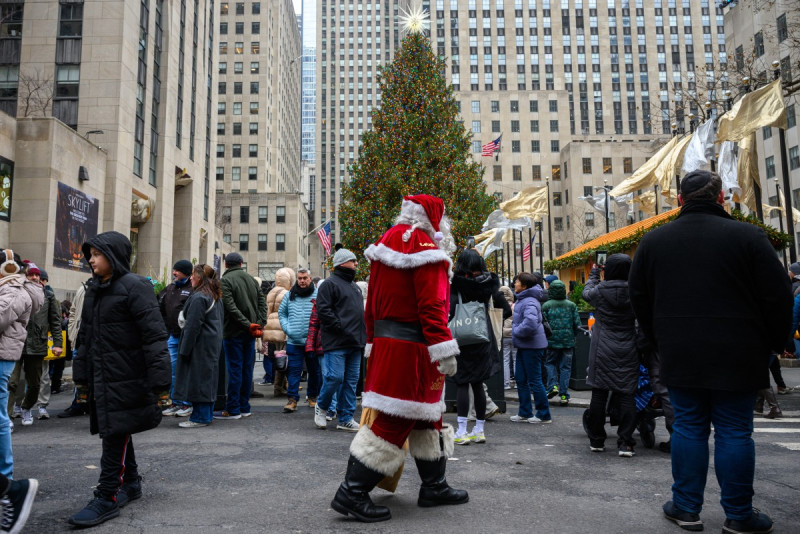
x: 273, y: 333
x: 509, y: 350
x: 562, y: 315
x: 200, y: 345
x: 45, y: 382
x: 122, y: 370
x: 711, y: 295
x: 73, y: 327
x: 294, y: 313
x: 171, y: 302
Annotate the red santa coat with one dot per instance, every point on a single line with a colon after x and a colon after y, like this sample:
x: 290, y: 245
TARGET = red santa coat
x: 409, y: 282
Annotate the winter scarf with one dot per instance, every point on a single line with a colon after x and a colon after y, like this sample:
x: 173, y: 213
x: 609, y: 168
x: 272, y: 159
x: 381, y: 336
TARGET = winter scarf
x: 298, y: 291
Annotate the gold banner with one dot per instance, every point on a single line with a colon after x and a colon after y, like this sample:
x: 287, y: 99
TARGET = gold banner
x: 530, y: 202
x: 747, y: 171
x: 670, y: 166
x: 763, y: 107
x: 644, y: 176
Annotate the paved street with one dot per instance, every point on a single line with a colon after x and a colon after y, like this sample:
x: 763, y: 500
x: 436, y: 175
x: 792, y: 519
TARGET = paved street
x: 277, y: 473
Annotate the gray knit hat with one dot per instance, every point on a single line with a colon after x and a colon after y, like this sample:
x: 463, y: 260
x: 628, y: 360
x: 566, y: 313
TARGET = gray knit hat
x: 342, y: 256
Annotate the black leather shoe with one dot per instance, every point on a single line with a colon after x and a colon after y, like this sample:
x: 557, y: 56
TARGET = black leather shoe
x: 434, y: 490
x: 352, y: 497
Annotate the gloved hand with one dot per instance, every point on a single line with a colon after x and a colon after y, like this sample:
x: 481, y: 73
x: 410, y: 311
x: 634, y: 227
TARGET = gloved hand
x: 256, y: 330
x: 163, y: 399
x: 367, y: 350
x: 448, y: 366
x: 82, y: 394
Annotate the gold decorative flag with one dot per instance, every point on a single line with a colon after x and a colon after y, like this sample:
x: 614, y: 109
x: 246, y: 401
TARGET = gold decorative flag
x: 747, y: 172
x: 795, y: 211
x: 763, y: 107
x: 670, y: 166
x: 644, y: 176
x: 529, y: 202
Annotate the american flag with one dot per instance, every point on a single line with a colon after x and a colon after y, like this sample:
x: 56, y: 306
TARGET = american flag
x: 324, y: 234
x: 490, y: 148
x: 526, y: 252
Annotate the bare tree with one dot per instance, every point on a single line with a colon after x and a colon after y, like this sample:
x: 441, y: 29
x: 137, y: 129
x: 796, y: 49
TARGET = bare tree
x: 35, y: 94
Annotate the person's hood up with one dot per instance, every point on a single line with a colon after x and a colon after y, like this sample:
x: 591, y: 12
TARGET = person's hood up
x: 114, y: 246
x: 508, y: 294
x: 617, y: 267
x: 615, y: 292
x: 557, y: 290
x: 285, y: 278
x: 533, y: 292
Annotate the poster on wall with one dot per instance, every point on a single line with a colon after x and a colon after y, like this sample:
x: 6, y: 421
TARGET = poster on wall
x: 76, y: 221
x: 6, y: 178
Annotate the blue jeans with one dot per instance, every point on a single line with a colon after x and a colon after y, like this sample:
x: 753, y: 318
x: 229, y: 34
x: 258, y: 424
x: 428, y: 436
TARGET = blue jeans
x: 322, y: 367
x: 731, y: 413
x: 559, y: 364
x: 6, y: 455
x: 295, y: 354
x: 240, y: 353
x: 342, y: 368
x: 529, y: 380
x: 173, y: 343
x: 202, y: 412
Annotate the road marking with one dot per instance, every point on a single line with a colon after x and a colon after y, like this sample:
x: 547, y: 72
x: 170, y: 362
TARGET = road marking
x: 777, y: 430
x: 790, y: 446
x: 783, y: 420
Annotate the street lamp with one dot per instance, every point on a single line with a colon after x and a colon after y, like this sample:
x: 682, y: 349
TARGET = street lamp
x: 691, y: 122
x: 674, y: 129
x: 605, y: 190
x: 780, y: 220
x: 549, y: 226
x: 787, y: 188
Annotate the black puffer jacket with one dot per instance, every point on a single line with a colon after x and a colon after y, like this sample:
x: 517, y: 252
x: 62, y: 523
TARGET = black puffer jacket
x: 476, y: 362
x: 122, y: 354
x: 340, y: 305
x: 613, y: 358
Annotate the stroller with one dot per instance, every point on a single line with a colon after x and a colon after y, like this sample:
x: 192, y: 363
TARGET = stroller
x: 648, y: 408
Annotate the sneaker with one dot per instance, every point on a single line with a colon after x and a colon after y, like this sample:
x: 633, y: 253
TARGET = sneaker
x: 535, y: 420
x: 256, y: 395
x: 71, y: 412
x: 264, y: 383
x: 553, y: 392
x: 319, y: 418
x: 685, y: 520
x: 462, y: 439
x: 129, y: 491
x: 783, y: 391
x: 520, y: 419
x: 477, y: 437
x: 774, y: 413
x: 16, y: 504
x: 16, y: 412
x: 246, y: 414
x: 331, y: 415
x: 43, y: 413
x: 99, y: 510
x: 27, y: 418
x: 492, y: 413
x: 597, y: 449
x: 506, y: 386
x: 191, y: 424
x: 185, y: 411
x: 225, y: 414
x: 758, y: 523
x: 290, y: 407
x: 350, y: 426
x: 626, y: 451
x: 311, y: 402
x: 564, y: 400
x: 172, y: 410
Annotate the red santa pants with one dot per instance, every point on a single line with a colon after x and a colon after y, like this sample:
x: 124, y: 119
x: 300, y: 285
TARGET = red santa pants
x: 396, y: 430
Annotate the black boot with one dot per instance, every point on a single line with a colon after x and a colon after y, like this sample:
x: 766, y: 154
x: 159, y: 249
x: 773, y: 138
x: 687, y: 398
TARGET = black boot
x: 434, y: 490
x: 352, y: 498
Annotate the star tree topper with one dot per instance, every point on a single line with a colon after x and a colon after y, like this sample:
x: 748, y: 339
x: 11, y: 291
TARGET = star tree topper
x: 415, y: 20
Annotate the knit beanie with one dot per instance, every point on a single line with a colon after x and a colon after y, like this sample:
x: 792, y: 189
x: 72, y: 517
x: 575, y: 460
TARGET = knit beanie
x: 342, y: 256
x: 183, y: 266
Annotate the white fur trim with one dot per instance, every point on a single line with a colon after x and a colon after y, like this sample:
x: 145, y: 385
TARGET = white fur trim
x: 443, y: 350
x: 401, y: 408
x: 367, y: 350
x: 415, y: 215
x: 448, y: 439
x: 376, y: 453
x: 399, y: 260
x: 424, y: 444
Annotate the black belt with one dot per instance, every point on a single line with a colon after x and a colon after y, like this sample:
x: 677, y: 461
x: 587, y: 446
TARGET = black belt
x: 396, y: 330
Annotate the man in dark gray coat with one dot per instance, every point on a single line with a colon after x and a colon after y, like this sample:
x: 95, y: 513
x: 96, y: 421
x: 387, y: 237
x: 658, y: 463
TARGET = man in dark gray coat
x: 711, y: 295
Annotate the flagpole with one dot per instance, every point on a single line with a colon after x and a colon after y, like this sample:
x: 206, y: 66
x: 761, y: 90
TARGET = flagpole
x: 514, y: 238
x: 541, y: 249
x: 318, y: 227
x: 508, y: 263
x: 786, y: 185
x: 530, y: 239
x: 549, y: 228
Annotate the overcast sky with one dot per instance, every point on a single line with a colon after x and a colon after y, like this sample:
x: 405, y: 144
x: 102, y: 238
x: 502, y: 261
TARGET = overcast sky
x: 297, y: 5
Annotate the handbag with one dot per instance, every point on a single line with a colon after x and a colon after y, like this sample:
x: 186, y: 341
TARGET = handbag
x: 496, y: 318
x: 281, y: 360
x: 469, y: 326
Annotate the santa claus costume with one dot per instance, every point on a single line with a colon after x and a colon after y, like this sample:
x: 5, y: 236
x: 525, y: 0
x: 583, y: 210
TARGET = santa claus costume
x: 410, y: 351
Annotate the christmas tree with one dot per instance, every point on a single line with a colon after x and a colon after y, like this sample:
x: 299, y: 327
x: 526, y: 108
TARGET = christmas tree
x: 417, y: 145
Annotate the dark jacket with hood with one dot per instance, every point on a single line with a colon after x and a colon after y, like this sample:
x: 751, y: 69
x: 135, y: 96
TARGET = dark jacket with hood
x: 340, y: 306
x: 122, y: 345
x: 171, y: 302
x: 244, y: 302
x: 201, y: 342
x: 712, y: 296
x: 476, y: 362
x: 613, y: 357
x: 47, y: 319
x: 562, y: 314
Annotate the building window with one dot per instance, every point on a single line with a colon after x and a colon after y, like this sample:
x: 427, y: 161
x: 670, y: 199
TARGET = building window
x: 476, y: 106
x: 238, y: 48
x: 237, y: 150
x: 253, y: 88
x: 255, y: 47
x: 68, y: 79
x: 254, y: 67
x: 534, y: 126
x: 555, y: 172
x: 758, y: 44
x: 252, y: 174
x: 71, y: 20
x: 794, y: 158
x: 220, y: 173
x: 220, y: 151
x: 515, y: 106
x: 223, y: 28
x: 515, y: 126
x: 236, y: 174
x: 262, y: 214
x: 517, y: 173
x: 237, y: 67
x: 220, y: 108
x: 589, y: 219
x: 223, y: 47
x: 253, y: 108
x: 770, y: 165
x: 783, y: 32
x: 476, y: 127
x: 791, y: 118
x: 280, y: 214
x: 556, y: 199
x: 253, y: 128
x: 554, y: 146
x: 627, y: 165
x: 587, y: 165
x: 237, y: 107
x: 495, y: 104
x: 553, y: 104
x: 252, y: 150
x: 515, y: 146
x: 255, y: 28
x: 239, y: 28
x: 223, y: 67
x: 223, y: 8
x: 226, y: 238
x: 262, y: 242
x: 244, y: 214
x: 535, y: 147
x: 495, y: 126
x: 587, y: 190
x: 237, y: 128
x: 607, y: 167
x: 766, y: 131
x: 536, y: 172
x: 476, y: 147
x: 497, y: 173
x: 558, y: 224
x: 534, y: 106
x: 554, y: 126
x: 280, y: 241
x: 256, y: 8
x: 244, y: 242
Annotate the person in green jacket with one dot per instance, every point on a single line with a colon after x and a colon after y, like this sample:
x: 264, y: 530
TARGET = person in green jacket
x: 562, y: 314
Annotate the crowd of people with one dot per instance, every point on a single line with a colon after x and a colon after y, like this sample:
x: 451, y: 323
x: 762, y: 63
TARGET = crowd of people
x: 189, y: 353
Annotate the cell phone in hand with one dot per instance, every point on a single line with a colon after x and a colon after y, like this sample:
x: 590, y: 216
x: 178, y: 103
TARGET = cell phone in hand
x: 600, y: 258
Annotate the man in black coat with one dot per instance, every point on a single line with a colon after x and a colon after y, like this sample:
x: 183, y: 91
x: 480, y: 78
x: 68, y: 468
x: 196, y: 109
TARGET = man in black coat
x: 121, y: 369
x: 170, y: 303
x: 711, y: 295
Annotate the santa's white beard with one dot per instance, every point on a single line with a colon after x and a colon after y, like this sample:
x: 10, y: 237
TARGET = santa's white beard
x: 414, y: 214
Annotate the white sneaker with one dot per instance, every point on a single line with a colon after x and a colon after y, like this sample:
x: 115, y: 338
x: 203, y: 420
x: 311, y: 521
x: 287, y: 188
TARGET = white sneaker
x: 172, y: 410
x: 185, y: 411
x: 43, y: 413
x: 319, y: 418
x: 350, y: 426
x: 16, y: 411
x: 520, y: 419
x: 536, y: 420
x: 191, y: 424
x: 27, y: 418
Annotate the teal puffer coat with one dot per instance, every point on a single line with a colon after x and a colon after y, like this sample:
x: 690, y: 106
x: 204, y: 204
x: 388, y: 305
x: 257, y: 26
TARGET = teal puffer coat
x: 562, y: 315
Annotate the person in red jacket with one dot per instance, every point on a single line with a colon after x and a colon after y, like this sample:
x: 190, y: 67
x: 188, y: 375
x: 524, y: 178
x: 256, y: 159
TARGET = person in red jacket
x: 411, y: 351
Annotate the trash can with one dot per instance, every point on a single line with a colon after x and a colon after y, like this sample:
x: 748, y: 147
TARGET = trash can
x: 580, y: 358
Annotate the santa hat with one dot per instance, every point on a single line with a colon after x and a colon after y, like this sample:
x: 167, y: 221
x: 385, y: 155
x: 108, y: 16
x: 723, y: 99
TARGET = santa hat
x: 434, y: 210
